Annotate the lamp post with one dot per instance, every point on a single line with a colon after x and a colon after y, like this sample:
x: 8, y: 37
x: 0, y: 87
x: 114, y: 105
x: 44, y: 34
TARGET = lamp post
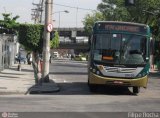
x: 59, y: 12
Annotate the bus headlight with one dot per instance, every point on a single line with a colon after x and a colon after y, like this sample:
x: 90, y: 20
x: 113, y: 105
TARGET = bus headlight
x: 139, y: 75
x: 142, y: 74
x: 97, y: 72
x: 94, y: 70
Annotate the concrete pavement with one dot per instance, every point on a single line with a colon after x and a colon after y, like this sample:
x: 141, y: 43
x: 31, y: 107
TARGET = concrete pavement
x: 23, y: 82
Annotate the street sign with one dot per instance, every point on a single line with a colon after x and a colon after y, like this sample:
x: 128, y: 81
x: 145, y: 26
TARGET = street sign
x: 49, y: 27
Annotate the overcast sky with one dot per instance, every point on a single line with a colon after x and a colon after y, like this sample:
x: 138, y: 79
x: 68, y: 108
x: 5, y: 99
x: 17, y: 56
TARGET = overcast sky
x: 72, y: 19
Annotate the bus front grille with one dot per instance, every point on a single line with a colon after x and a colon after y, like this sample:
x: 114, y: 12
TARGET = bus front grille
x: 120, y: 70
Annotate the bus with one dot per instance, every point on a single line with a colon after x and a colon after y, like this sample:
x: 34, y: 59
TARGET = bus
x: 119, y: 55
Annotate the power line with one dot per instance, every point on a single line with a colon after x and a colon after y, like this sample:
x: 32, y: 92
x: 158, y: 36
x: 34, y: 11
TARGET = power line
x: 37, y: 12
x: 74, y: 7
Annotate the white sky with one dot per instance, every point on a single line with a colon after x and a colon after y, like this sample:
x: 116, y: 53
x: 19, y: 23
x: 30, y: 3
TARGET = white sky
x: 23, y: 9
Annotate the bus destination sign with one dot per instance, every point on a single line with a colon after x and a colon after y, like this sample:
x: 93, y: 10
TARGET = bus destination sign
x: 120, y: 27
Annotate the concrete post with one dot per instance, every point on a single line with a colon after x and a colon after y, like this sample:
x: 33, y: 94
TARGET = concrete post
x: 46, y: 41
x: 73, y: 35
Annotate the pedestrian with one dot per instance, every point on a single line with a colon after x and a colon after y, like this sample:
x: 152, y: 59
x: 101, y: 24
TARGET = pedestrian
x: 50, y: 59
x: 152, y: 54
x: 72, y: 56
x: 19, y: 61
x: 29, y: 58
x: 19, y: 57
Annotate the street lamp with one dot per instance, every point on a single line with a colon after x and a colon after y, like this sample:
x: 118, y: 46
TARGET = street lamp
x: 65, y: 11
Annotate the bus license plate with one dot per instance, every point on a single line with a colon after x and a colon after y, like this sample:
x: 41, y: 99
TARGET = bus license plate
x: 118, y: 82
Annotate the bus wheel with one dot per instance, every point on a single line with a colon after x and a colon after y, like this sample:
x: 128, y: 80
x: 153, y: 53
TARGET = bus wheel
x: 136, y: 90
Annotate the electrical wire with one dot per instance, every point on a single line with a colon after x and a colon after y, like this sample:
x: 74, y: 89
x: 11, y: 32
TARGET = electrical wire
x: 74, y: 7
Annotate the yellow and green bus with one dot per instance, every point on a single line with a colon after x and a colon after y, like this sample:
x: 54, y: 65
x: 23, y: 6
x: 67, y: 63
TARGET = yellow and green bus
x: 119, y: 55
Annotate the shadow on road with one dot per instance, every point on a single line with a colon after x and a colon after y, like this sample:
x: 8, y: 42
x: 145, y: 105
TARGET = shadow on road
x: 43, y: 88
x: 14, y: 68
x: 6, y: 73
x: 81, y: 88
x: 68, y: 73
x: 8, y: 77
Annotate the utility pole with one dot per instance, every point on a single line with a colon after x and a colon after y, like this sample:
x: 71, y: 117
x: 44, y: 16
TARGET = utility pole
x: 46, y: 47
x: 41, y: 14
x: 37, y: 13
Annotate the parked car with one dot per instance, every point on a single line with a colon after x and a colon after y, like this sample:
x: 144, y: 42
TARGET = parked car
x: 55, y: 55
x: 21, y: 59
x: 79, y: 58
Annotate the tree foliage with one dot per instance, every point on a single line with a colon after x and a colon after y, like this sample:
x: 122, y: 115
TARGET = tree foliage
x: 54, y: 43
x: 9, y: 24
x: 30, y: 36
x: 144, y: 11
x: 113, y: 10
x: 90, y: 19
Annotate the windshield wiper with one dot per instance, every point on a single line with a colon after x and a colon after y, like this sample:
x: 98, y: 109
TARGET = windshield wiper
x: 119, y: 66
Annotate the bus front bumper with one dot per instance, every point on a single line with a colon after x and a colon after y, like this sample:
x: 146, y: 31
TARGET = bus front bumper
x: 96, y: 79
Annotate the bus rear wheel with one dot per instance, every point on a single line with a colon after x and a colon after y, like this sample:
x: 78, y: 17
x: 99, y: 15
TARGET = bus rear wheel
x: 136, y: 90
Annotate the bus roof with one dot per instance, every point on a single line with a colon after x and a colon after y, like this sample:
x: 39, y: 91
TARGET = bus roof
x: 121, y: 22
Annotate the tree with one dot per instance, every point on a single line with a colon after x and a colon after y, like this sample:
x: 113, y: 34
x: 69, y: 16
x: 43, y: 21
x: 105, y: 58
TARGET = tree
x: 147, y: 12
x: 8, y: 24
x: 90, y: 19
x: 54, y: 43
x: 31, y: 37
x: 143, y: 11
x: 113, y: 10
x: 116, y: 10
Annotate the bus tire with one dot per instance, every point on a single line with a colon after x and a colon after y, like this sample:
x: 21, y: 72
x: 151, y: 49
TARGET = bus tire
x: 136, y: 90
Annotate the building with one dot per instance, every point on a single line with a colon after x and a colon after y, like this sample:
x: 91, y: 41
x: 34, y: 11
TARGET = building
x: 8, y: 50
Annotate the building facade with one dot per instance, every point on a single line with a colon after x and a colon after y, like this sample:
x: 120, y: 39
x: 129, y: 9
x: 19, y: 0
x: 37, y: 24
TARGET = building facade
x: 8, y: 50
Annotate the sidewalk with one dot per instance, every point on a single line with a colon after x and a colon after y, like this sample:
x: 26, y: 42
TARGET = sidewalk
x: 22, y: 82
x: 154, y: 73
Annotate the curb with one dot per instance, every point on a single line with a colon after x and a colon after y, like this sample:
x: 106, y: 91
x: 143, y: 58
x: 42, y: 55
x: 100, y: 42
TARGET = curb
x: 12, y: 93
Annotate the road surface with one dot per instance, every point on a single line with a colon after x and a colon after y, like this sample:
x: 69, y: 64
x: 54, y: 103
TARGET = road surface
x: 74, y: 95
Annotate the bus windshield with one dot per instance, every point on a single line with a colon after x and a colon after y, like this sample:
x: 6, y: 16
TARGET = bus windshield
x: 120, y: 48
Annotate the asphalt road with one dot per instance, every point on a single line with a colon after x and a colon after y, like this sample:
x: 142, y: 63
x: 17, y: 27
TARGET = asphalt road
x: 71, y: 76
x: 74, y: 94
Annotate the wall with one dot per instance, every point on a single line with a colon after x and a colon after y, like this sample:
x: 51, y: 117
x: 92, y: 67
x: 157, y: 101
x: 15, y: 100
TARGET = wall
x: 7, y: 50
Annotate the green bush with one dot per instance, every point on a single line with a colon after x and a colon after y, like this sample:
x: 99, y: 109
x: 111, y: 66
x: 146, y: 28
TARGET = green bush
x: 30, y: 36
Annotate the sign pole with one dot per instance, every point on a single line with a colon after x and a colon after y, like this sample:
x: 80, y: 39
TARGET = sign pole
x: 46, y: 47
